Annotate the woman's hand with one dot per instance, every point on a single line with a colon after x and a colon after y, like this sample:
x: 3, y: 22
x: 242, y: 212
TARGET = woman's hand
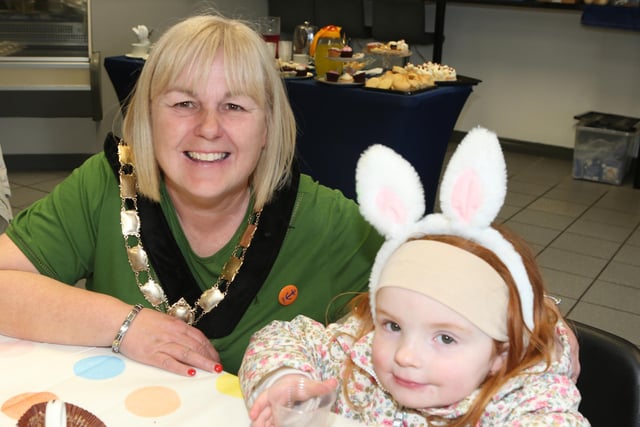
x: 261, y: 413
x: 160, y: 340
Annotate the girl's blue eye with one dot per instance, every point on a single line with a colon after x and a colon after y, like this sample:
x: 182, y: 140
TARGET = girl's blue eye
x: 446, y: 339
x: 392, y: 326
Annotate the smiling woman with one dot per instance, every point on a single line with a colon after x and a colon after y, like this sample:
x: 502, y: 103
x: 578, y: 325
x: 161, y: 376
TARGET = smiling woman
x: 198, y: 214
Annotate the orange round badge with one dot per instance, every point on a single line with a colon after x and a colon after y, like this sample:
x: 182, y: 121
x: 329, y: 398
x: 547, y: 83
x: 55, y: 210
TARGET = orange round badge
x: 288, y: 295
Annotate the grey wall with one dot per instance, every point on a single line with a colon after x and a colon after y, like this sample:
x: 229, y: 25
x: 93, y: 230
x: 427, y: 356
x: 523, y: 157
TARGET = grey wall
x: 540, y: 68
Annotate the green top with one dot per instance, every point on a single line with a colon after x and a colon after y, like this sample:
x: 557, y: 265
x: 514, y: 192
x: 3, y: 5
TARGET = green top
x: 74, y: 233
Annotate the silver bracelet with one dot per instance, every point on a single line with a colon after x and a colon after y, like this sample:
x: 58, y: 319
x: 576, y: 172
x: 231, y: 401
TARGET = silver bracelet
x: 115, y: 345
x: 556, y: 300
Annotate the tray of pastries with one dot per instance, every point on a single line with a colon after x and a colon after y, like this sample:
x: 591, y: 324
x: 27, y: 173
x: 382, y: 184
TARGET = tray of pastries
x: 401, y: 80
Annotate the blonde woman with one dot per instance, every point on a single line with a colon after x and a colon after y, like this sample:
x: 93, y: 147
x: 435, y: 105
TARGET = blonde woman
x: 193, y: 230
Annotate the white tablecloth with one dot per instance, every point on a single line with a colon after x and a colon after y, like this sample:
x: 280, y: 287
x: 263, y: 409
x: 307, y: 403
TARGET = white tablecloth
x: 119, y: 391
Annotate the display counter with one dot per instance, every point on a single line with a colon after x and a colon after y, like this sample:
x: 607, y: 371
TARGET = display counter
x: 47, y: 65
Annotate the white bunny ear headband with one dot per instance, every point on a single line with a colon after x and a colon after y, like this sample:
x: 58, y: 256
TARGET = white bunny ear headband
x: 472, y: 192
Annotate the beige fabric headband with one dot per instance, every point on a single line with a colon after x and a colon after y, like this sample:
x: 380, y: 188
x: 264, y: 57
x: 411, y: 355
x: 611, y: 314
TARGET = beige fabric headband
x: 454, y: 277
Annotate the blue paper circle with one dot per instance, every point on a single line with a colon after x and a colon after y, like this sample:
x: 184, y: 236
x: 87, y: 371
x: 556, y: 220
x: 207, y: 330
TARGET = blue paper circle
x: 99, y: 367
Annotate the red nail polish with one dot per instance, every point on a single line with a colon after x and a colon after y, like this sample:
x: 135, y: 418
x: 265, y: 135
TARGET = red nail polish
x: 218, y: 368
x: 191, y: 372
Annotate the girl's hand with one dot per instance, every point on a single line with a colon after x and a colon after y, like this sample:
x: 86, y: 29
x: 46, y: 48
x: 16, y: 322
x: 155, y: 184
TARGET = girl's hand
x: 285, y: 390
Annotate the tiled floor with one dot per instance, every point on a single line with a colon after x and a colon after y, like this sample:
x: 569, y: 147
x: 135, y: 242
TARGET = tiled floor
x: 586, y: 236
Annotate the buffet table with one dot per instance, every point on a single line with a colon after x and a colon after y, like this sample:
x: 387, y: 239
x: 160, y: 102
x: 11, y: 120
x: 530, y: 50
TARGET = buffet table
x: 336, y: 123
x: 123, y: 72
x: 117, y: 390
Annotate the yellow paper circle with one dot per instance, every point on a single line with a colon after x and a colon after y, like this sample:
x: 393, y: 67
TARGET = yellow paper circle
x: 229, y: 384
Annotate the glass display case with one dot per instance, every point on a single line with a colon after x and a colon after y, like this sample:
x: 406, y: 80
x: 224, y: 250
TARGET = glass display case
x: 44, y: 29
x: 47, y: 65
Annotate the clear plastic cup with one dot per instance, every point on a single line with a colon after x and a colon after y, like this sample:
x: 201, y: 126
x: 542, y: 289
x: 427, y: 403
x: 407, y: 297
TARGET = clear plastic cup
x: 300, y: 410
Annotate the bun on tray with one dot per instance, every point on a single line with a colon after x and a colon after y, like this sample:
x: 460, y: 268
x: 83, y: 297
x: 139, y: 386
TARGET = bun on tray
x: 401, y: 79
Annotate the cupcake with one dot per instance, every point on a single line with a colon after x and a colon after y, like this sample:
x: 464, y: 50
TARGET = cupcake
x: 76, y: 416
x: 345, y: 78
x: 334, y: 52
x: 332, y: 76
x: 301, y: 70
x: 359, y: 77
x: 346, y: 52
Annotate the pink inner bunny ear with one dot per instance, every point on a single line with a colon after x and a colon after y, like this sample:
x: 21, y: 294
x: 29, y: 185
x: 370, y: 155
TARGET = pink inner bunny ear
x: 390, y: 206
x: 467, y: 196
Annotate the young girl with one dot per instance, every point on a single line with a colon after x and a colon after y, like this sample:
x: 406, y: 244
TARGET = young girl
x: 455, y: 330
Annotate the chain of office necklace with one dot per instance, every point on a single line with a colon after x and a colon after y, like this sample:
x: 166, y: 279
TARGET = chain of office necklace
x: 151, y: 289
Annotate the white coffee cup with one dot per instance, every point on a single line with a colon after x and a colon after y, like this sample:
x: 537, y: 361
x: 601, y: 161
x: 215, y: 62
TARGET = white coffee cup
x: 285, y: 48
x: 301, y: 58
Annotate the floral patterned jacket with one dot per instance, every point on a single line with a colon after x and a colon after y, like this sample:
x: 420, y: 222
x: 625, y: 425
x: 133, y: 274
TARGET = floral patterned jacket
x: 536, y: 398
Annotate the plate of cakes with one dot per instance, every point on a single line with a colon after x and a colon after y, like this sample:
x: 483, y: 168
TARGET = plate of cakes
x: 443, y: 75
x: 343, y: 79
x: 344, y: 54
x: 392, y: 48
x: 294, y: 75
x: 294, y: 70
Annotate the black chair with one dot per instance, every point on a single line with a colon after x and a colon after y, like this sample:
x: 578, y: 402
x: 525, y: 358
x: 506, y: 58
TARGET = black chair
x: 609, y: 378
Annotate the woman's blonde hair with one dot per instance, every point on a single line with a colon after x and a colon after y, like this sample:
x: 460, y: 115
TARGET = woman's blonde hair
x: 190, y: 47
x: 540, y: 345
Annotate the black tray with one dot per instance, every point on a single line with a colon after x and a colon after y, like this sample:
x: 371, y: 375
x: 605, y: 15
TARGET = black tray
x: 460, y: 81
x: 400, y: 92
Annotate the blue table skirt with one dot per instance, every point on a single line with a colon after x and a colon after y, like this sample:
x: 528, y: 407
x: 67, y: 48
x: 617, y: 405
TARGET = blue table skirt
x: 622, y: 17
x: 337, y: 123
x: 123, y: 73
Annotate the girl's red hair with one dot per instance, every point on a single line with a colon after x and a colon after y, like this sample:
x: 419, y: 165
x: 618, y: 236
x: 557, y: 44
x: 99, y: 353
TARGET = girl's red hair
x: 521, y: 353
